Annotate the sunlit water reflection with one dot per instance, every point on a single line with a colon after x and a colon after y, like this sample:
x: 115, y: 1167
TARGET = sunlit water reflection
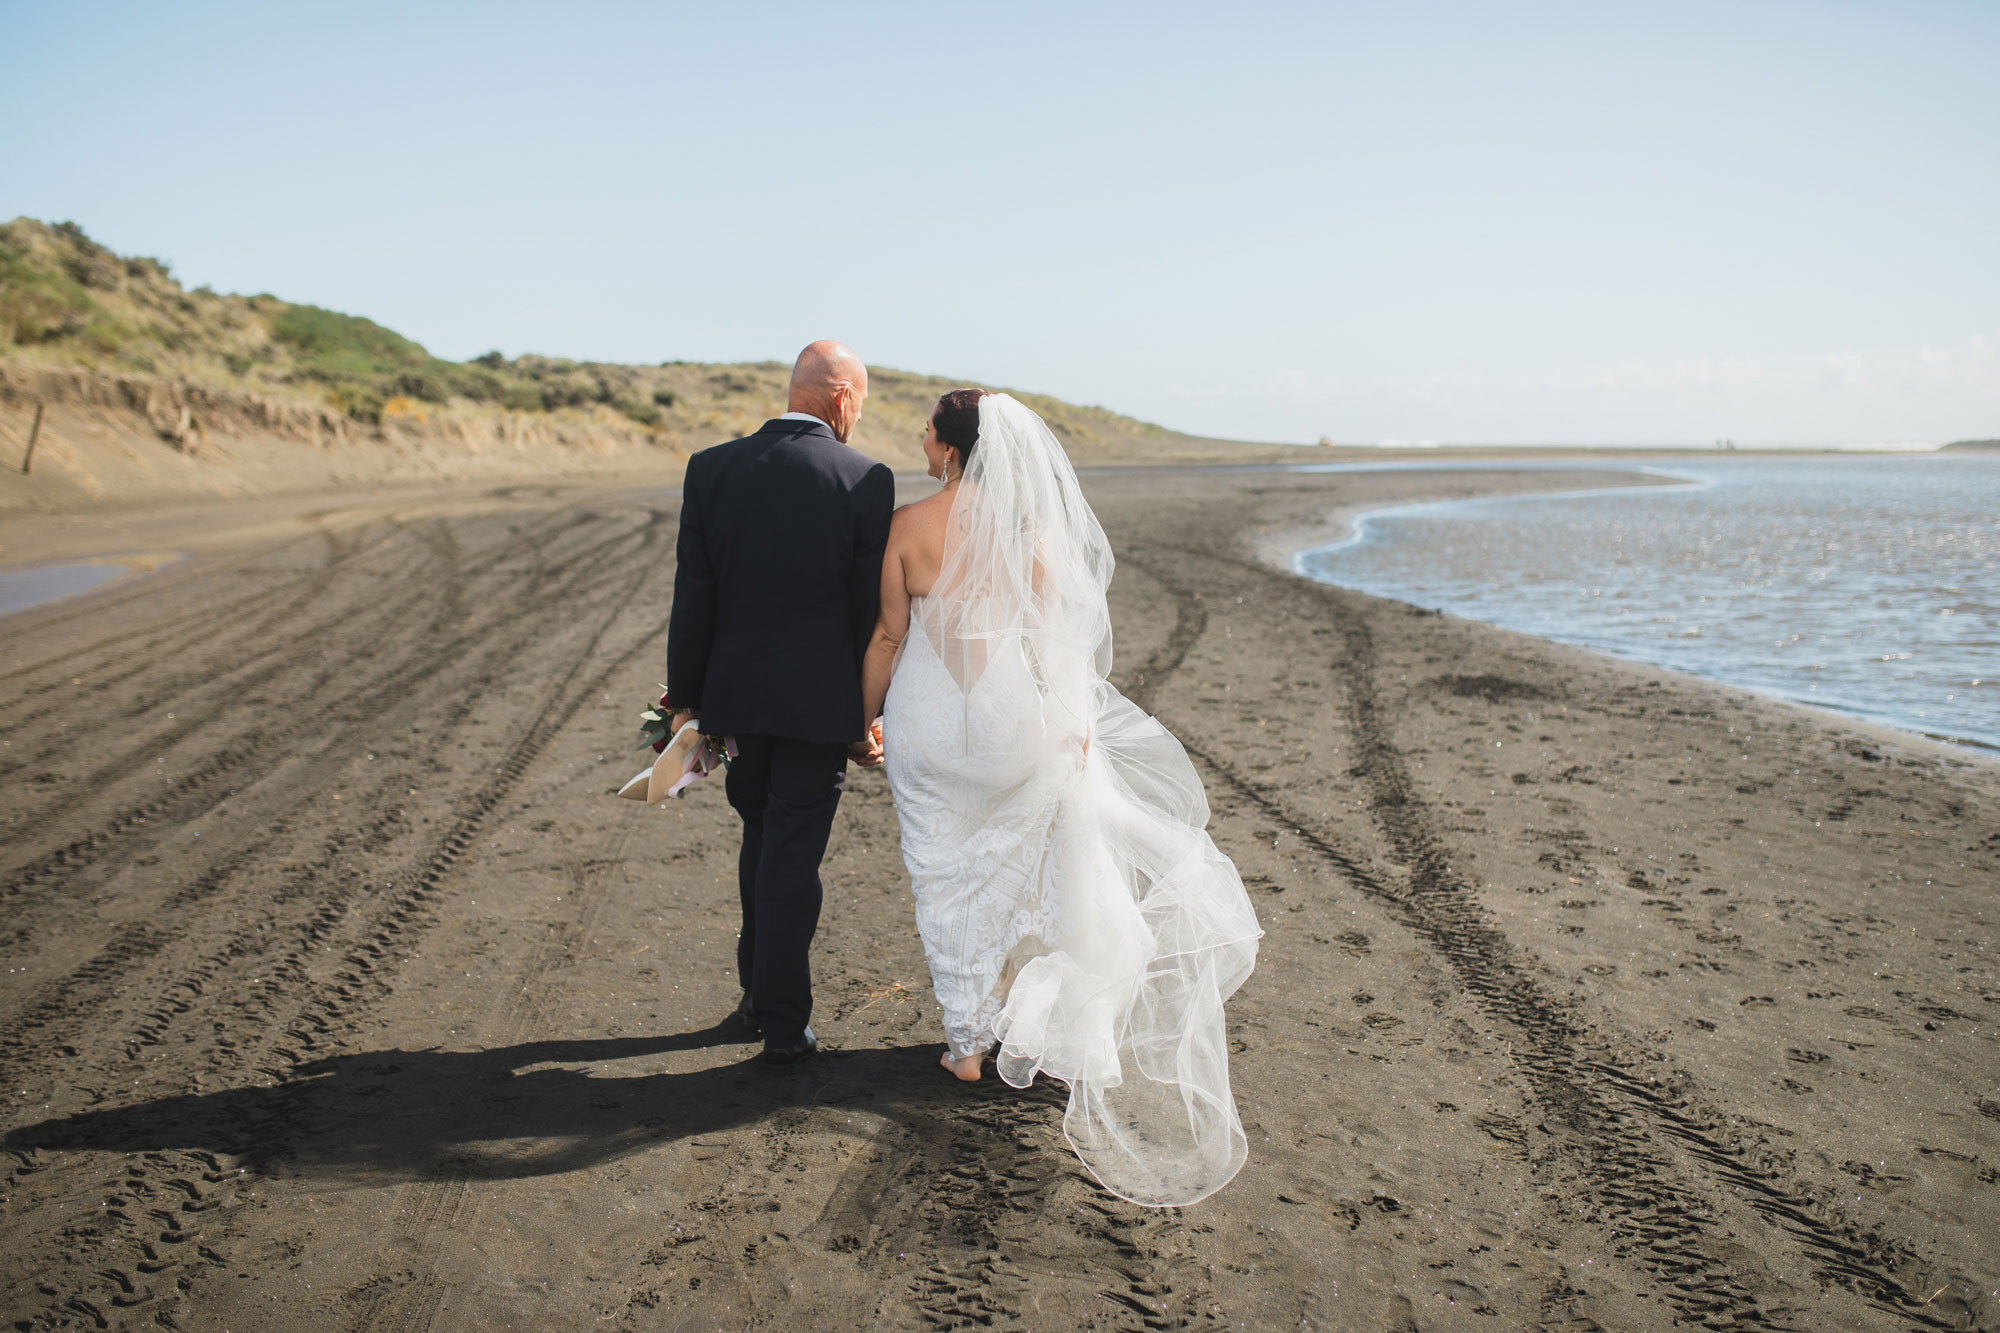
x: 23, y: 588
x: 1868, y: 585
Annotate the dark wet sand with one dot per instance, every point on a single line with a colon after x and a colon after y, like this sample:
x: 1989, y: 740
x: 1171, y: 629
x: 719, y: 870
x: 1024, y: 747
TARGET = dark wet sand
x: 337, y: 993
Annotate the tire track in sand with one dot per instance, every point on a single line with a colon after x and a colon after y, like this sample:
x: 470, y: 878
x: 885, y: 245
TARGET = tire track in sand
x: 257, y: 749
x: 1615, y: 1120
x: 137, y: 1256
x: 439, y: 1204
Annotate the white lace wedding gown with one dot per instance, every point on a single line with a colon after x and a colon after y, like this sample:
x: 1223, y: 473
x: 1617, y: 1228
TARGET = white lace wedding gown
x: 1072, y: 907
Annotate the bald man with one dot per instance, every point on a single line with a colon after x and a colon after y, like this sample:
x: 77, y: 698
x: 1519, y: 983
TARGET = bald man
x: 780, y: 565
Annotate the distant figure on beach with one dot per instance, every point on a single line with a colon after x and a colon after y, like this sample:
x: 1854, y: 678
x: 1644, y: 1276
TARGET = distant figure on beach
x: 1074, y: 912
x: 780, y: 559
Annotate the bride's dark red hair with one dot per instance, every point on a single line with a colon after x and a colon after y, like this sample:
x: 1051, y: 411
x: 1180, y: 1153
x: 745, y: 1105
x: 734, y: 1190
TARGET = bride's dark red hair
x: 956, y: 418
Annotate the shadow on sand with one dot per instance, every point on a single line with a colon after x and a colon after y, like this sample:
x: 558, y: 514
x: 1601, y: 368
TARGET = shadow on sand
x: 388, y: 1115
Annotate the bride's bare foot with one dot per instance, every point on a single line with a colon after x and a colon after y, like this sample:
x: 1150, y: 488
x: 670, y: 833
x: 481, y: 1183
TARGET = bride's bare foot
x: 966, y: 1068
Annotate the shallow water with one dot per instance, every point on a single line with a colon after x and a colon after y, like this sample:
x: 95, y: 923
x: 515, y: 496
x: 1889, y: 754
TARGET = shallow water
x: 1868, y: 585
x: 23, y: 588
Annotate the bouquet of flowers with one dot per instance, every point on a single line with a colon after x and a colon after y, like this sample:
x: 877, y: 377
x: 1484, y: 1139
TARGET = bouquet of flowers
x: 686, y: 756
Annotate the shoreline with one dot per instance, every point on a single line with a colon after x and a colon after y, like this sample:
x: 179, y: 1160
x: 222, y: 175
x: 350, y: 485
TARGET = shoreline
x: 25, y: 587
x: 1357, y: 524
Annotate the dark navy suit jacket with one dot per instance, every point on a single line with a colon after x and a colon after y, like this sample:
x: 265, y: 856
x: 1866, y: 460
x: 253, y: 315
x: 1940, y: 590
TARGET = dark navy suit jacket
x: 777, y: 585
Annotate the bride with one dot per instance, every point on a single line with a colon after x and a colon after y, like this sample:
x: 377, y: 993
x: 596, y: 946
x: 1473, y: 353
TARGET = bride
x: 1074, y: 912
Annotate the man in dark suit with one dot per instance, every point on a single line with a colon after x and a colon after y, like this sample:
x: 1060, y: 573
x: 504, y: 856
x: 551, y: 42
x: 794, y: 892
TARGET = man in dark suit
x: 780, y: 568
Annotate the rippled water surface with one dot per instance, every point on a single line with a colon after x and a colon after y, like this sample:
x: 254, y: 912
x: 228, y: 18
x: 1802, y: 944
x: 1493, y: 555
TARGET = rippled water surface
x: 1868, y: 585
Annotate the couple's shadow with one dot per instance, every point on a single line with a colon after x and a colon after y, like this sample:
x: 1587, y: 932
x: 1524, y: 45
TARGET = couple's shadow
x: 514, y: 1111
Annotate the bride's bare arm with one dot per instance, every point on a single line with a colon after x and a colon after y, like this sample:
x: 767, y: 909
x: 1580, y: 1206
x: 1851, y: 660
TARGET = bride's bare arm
x: 878, y: 663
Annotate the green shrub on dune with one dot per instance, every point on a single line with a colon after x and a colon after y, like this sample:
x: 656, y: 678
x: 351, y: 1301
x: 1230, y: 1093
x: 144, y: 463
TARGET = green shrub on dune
x: 330, y: 343
x: 364, y: 364
x: 38, y: 303
x: 522, y: 397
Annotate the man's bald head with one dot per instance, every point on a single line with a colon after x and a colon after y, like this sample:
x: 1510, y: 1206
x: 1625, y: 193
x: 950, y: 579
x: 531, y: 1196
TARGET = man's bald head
x: 830, y: 382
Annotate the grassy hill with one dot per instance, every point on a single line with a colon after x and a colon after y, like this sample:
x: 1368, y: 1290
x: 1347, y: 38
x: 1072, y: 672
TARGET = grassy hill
x: 69, y: 304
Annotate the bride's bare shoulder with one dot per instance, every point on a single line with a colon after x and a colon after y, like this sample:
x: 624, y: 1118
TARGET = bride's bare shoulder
x: 924, y: 513
x: 916, y: 541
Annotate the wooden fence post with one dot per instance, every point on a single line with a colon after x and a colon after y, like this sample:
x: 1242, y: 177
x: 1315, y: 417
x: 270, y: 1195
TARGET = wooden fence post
x: 34, y: 434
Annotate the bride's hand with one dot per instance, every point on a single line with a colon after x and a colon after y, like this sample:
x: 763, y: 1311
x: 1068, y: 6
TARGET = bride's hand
x: 868, y: 752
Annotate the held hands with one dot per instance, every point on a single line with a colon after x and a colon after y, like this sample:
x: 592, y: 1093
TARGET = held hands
x: 868, y: 753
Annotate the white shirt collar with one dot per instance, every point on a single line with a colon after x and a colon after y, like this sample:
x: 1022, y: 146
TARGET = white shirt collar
x: 805, y: 416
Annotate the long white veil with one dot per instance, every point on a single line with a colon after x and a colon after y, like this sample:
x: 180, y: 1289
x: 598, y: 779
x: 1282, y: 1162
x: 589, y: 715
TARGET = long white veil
x: 1120, y: 991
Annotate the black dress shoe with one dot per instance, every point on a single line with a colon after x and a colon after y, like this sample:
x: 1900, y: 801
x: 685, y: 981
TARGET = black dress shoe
x: 792, y: 1053
x: 746, y: 1016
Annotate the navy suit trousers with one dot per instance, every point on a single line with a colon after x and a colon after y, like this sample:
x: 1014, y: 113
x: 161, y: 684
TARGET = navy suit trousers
x: 786, y: 791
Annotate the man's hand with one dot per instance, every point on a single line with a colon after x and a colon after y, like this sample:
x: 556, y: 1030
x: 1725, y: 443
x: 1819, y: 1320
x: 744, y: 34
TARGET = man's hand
x: 680, y: 720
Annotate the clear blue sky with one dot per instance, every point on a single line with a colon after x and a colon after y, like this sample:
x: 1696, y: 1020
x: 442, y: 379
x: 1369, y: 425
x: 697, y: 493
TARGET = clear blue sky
x: 1473, y: 222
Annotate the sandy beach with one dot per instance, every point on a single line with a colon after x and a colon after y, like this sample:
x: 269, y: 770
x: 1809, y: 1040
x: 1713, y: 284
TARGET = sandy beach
x: 337, y: 992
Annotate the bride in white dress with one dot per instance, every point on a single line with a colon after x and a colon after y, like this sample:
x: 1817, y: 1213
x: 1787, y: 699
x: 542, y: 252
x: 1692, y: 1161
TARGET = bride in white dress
x: 1074, y: 912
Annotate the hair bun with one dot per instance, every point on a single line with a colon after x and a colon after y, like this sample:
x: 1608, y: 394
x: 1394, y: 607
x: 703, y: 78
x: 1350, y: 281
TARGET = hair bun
x: 956, y: 420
